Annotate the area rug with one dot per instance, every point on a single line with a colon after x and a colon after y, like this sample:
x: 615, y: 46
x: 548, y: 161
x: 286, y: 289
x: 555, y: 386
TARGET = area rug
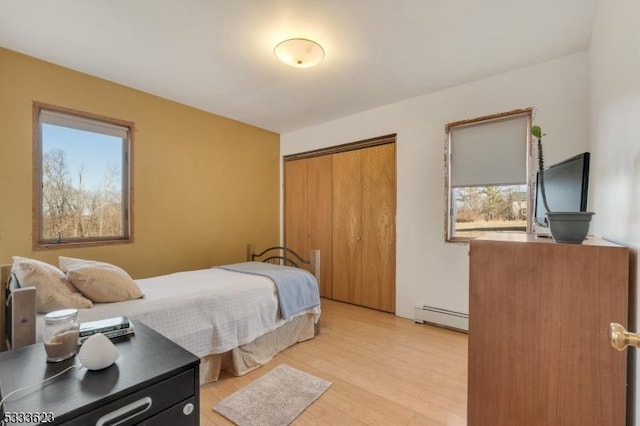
x: 275, y: 399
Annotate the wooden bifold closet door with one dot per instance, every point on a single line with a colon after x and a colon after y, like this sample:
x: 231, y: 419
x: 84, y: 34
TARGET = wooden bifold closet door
x: 307, y: 212
x: 364, y: 204
x: 344, y: 204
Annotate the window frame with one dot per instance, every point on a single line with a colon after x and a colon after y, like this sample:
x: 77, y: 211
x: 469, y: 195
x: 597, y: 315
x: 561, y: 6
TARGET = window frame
x: 40, y: 243
x: 530, y: 169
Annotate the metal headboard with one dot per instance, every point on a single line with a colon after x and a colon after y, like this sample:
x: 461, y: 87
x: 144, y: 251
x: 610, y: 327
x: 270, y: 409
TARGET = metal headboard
x: 281, y: 255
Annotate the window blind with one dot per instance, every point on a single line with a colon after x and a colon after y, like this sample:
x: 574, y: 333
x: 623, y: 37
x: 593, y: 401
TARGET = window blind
x: 489, y: 153
x: 82, y: 123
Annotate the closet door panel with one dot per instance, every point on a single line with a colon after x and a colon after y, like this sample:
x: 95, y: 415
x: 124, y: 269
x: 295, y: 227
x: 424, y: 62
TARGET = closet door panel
x: 378, y: 227
x: 295, y: 206
x: 347, y: 227
x: 319, y: 213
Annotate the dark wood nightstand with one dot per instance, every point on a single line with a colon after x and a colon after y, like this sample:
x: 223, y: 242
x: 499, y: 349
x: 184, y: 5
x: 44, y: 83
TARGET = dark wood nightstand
x: 154, y: 382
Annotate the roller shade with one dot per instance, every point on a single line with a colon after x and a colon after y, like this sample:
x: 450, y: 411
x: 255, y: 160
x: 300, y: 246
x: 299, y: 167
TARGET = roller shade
x: 82, y: 123
x: 490, y: 153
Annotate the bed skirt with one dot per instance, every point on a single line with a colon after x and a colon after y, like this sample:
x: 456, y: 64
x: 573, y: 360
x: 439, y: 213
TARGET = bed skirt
x: 246, y: 358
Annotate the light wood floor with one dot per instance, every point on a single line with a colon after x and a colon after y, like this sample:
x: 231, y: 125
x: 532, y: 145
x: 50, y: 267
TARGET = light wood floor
x: 385, y: 371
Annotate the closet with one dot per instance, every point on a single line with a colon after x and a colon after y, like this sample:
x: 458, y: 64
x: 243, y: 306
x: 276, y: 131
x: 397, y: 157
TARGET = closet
x: 343, y: 202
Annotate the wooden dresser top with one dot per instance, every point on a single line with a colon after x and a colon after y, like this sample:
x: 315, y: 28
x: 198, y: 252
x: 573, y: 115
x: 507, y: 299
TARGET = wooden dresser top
x: 522, y: 237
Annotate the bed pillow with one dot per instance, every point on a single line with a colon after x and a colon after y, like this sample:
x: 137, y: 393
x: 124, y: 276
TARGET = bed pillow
x: 53, y: 289
x: 100, y: 281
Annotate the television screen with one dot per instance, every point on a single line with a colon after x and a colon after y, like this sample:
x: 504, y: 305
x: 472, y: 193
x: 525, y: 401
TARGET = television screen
x: 566, y: 185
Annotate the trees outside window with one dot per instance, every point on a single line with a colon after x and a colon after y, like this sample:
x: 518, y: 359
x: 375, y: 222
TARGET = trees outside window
x: 479, y: 210
x: 82, y: 167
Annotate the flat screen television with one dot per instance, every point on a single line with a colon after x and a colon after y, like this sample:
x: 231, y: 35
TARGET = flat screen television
x: 567, y: 186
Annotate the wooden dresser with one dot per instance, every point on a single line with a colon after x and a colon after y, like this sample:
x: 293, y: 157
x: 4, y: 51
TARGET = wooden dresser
x: 539, y: 315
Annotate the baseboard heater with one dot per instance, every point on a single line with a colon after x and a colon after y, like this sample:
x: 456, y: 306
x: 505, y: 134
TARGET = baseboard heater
x: 442, y: 317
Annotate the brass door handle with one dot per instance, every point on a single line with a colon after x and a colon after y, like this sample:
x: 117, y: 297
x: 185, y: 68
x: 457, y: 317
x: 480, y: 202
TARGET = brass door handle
x: 620, y: 338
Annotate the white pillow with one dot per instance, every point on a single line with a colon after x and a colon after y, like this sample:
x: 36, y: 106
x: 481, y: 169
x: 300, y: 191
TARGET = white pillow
x: 100, y: 281
x: 53, y: 289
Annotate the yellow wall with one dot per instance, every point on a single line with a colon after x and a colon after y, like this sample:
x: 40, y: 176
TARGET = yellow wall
x: 204, y: 185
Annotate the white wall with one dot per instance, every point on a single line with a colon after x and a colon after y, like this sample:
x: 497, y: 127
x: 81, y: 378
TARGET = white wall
x: 615, y: 126
x: 428, y: 270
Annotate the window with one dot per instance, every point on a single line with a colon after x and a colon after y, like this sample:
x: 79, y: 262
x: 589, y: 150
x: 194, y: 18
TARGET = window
x: 82, y: 167
x: 488, y: 175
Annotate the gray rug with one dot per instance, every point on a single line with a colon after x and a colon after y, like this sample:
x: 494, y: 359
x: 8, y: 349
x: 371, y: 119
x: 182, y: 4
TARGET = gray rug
x: 275, y: 399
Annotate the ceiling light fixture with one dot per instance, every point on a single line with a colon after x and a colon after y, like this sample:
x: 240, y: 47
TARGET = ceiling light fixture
x: 299, y: 52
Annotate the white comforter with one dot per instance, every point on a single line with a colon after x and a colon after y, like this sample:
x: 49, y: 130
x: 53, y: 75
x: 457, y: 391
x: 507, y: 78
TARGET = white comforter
x: 207, y: 311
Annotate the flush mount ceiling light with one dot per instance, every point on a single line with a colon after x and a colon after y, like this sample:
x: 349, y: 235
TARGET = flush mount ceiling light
x: 299, y: 52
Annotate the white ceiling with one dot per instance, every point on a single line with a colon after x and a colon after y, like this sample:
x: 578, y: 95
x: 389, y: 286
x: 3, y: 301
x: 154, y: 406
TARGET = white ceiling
x: 217, y: 55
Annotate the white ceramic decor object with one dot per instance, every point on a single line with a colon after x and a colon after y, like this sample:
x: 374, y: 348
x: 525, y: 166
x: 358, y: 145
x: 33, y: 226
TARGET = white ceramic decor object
x: 98, y: 352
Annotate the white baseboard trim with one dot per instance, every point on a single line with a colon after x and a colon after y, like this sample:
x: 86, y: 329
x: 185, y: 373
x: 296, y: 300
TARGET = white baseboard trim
x: 442, y: 317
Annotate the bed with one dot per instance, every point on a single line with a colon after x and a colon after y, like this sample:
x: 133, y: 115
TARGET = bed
x: 233, y: 317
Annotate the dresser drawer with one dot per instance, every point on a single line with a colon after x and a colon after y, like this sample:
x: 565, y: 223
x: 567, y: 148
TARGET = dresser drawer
x: 181, y: 414
x: 143, y: 404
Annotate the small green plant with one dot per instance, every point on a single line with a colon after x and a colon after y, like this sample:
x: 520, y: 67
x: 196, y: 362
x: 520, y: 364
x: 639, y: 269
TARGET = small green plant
x: 536, y: 132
